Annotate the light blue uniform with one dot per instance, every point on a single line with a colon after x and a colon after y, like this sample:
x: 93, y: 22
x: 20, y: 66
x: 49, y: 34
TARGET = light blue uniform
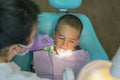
x: 10, y: 71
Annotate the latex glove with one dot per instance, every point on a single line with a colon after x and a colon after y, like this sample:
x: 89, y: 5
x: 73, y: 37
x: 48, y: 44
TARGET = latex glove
x: 41, y: 42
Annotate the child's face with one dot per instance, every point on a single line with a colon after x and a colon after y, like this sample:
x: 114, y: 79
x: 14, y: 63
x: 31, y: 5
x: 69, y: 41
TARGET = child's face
x: 66, y: 38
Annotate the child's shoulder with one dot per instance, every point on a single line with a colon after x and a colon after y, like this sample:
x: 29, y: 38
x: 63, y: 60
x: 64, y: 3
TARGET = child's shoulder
x: 82, y: 52
x: 82, y: 55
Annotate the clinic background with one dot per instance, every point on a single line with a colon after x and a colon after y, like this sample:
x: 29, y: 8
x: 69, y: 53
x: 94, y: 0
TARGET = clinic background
x: 104, y: 16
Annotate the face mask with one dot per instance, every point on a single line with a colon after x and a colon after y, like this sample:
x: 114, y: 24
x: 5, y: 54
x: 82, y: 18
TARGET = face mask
x: 64, y: 53
x: 27, y: 47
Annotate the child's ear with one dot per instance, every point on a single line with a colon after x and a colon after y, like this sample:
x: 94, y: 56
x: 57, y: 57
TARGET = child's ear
x: 78, y: 40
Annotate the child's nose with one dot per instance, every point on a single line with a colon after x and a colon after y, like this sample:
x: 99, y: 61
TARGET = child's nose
x: 65, y: 44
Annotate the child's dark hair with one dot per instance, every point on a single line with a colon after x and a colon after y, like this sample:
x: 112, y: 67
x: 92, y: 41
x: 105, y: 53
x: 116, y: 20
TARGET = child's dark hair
x: 71, y: 20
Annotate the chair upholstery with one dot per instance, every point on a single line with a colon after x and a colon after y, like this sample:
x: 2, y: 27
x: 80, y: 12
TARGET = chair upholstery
x: 24, y: 61
x: 64, y: 4
x: 88, y: 39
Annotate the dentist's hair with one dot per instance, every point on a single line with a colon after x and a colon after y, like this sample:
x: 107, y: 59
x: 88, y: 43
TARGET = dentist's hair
x: 16, y: 21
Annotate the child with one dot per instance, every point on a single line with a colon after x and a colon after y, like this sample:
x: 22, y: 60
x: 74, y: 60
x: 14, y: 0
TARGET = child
x: 66, y: 53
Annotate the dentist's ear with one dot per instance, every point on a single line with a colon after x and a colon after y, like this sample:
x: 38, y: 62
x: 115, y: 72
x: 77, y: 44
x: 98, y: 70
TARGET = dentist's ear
x: 12, y: 51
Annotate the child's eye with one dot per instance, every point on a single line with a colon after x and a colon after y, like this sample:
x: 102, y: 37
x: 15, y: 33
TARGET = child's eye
x: 72, y: 41
x: 62, y: 38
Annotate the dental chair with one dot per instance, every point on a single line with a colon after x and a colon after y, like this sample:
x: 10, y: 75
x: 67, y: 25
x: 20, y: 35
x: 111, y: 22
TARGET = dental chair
x: 88, y: 39
x: 46, y: 25
x: 24, y: 62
